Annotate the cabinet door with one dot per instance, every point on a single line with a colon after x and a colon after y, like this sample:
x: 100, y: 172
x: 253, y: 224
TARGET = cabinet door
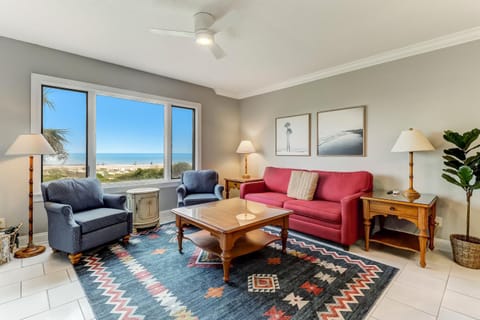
x: 147, y: 207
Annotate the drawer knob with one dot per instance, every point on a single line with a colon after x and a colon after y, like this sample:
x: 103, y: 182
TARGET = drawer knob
x: 392, y: 208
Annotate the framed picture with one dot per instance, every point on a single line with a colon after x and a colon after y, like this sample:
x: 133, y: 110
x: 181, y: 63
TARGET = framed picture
x: 341, y: 132
x: 292, y: 135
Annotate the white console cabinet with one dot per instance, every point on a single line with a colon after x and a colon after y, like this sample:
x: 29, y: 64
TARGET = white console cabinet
x: 143, y: 202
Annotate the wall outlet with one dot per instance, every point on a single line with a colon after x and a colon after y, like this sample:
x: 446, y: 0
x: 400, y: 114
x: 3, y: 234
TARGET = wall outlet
x: 3, y: 223
x: 439, y: 221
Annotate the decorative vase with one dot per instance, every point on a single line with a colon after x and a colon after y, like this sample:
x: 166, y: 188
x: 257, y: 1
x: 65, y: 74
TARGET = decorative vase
x: 466, y: 253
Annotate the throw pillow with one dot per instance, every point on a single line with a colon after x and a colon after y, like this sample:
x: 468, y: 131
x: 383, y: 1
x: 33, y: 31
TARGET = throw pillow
x: 302, y: 185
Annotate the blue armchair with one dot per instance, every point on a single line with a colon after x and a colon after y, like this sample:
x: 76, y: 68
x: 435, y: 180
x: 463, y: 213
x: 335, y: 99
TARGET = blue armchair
x: 198, y: 187
x: 81, y: 217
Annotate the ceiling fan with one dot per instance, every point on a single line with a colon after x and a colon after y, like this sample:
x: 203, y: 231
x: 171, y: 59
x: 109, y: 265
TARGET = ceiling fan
x: 204, y: 33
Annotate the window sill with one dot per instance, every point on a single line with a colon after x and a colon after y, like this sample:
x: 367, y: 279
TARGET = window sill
x: 122, y: 187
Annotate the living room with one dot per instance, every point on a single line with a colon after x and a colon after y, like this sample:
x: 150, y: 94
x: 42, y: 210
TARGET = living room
x: 423, y: 75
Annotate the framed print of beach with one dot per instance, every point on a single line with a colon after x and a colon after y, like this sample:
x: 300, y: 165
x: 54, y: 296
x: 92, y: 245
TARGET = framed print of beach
x: 292, y: 135
x: 341, y: 132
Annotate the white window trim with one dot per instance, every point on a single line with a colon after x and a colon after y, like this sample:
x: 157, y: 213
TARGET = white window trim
x: 37, y: 80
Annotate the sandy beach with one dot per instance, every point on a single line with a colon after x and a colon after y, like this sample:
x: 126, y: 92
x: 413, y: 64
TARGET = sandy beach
x: 105, y: 172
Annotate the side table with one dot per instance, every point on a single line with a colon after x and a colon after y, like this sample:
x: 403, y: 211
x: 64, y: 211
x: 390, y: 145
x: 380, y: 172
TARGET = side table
x: 421, y: 212
x: 143, y: 202
x: 234, y: 183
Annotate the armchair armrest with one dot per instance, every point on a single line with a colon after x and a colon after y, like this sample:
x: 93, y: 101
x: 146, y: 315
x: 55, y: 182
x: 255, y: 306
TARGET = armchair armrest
x: 219, y: 191
x: 58, y: 208
x: 352, y: 221
x: 115, y: 201
x: 63, y: 232
x: 252, y: 187
x: 181, y: 193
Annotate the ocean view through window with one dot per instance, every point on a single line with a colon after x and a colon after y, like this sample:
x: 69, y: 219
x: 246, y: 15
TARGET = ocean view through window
x: 115, y: 135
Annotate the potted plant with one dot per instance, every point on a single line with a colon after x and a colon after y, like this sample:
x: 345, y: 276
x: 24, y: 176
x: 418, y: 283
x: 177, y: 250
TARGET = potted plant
x: 464, y: 171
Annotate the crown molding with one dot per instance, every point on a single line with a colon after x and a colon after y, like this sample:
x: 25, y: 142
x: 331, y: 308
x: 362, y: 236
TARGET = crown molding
x: 446, y: 41
x: 228, y: 94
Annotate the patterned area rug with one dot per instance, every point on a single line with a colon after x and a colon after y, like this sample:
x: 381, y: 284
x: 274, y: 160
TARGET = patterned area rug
x: 150, y: 279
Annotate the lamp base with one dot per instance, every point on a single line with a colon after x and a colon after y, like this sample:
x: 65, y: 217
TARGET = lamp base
x: 245, y: 176
x: 30, y: 251
x: 411, y: 194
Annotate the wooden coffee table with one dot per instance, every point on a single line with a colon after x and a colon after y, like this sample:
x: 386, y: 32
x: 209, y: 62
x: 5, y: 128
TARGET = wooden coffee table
x: 231, y: 228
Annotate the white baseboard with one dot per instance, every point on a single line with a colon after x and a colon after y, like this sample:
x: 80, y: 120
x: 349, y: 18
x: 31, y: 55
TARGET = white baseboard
x: 38, y: 238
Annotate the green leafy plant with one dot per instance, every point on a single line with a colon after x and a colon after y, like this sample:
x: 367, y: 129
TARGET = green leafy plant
x: 463, y: 170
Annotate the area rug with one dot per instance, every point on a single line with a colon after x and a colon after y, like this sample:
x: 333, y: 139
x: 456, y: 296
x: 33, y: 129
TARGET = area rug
x: 149, y: 279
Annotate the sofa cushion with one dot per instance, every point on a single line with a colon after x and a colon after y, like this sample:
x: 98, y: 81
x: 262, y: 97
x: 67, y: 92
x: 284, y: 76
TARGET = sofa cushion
x: 317, y: 209
x: 80, y: 194
x: 275, y: 199
x: 334, y: 186
x: 197, y: 198
x: 302, y: 185
x: 276, y: 179
x: 200, y: 181
x: 95, y: 219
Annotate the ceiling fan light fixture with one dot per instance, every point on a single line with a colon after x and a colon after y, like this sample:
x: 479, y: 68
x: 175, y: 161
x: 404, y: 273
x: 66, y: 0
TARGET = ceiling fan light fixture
x: 204, y: 38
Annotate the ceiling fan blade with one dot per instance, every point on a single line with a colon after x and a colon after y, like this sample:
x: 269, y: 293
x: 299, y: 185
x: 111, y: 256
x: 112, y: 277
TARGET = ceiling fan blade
x: 175, y: 33
x: 217, y: 51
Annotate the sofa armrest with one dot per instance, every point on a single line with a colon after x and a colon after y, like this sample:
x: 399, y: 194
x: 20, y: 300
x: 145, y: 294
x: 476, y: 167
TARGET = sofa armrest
x: 115, y: 201
x: 219, y: 191
x: 352, y: 220
x: 252, y: 187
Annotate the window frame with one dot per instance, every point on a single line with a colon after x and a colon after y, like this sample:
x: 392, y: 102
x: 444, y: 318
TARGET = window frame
x: 39, y: 80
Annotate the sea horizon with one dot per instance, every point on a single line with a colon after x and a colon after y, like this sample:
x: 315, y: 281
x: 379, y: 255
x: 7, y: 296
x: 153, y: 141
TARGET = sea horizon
x: 121, y: 158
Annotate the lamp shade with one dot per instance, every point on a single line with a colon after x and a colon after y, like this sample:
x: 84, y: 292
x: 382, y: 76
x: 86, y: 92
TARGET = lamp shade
x: 412, y: 140
x: 245, y: 146
x: 30, y: 144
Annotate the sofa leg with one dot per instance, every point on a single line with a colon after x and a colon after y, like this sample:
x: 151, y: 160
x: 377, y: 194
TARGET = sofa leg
x: 74, y: 257
x: 54, y: 250
x: 126, y: 238
x: 346, y: 247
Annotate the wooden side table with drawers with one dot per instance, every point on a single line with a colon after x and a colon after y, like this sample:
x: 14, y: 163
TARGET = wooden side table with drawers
x: 420, y: 212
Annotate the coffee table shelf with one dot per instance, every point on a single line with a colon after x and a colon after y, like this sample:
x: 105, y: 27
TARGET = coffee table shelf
x: 252, y: 241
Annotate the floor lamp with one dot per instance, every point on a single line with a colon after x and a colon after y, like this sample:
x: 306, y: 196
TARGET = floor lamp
x: 30, y: 144
x: 246, y: 147
x: 409, y: 141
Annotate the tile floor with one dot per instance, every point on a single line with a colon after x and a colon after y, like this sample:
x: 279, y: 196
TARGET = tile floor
x: 46, y: 287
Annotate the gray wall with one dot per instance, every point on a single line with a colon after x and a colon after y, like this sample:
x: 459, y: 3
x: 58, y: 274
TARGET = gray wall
x: 220, y: 116
x: 431, y: 92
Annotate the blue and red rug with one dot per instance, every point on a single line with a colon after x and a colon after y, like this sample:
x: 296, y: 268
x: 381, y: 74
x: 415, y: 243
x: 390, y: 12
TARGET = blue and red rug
x: 150, y: 279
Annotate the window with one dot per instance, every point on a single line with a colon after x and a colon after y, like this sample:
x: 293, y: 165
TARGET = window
x: 129, y: 139
x: 117, y: 135
x: 64, y: 125
x: 183, y: 140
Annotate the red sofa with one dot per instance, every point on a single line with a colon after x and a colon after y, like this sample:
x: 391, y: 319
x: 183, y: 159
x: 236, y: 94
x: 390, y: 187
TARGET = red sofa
x: 333, y: 214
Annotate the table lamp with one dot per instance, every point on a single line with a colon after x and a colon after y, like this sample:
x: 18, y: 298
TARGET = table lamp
x: 409, y: 141
x: 246, y: 147
x: 30, y: 144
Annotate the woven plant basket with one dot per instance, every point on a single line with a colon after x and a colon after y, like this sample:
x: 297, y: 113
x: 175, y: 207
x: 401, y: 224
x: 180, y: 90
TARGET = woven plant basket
x: 466, y: 253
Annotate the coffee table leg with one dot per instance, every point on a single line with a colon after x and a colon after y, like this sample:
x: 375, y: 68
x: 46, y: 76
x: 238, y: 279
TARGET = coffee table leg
x: 179, y: 233
x: 226, y: 244
x: 284, y: 234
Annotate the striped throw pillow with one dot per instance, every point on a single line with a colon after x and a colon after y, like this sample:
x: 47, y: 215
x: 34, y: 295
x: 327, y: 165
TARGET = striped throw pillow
x: 302, y: 185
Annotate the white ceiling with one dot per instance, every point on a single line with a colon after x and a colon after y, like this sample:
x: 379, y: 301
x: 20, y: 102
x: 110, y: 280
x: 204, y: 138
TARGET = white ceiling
x: 270, y: 44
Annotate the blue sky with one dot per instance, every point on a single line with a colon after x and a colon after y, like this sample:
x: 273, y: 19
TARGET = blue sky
x: 123, y: 126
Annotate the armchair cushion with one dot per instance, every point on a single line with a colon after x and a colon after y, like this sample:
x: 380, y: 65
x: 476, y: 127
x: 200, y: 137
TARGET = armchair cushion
x: 197, y: 198
x: 80, y: 194
x: 91, y: 220
x: 201, y: 181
